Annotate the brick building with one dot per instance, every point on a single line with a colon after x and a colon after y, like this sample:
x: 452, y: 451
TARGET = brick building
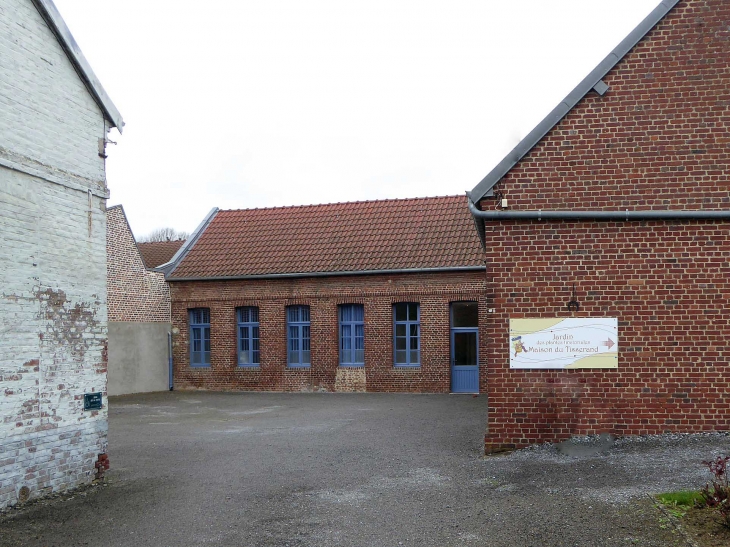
x: 368, y: 296
x: 54, y: 121
x: 618, y: 208
x: 139, y: 313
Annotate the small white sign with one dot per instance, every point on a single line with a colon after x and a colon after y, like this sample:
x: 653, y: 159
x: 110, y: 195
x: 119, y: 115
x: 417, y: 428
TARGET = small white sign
x: 563, y: 343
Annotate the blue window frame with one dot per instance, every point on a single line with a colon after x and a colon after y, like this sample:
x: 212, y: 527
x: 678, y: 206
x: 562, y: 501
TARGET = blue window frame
x: 297, y: 336
x: 248, y: 336
x: 406, y: 334
x: 352, y: 335
x: 199, y: 319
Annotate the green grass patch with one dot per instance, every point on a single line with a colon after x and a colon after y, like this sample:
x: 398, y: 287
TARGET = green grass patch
x: 681, y: 499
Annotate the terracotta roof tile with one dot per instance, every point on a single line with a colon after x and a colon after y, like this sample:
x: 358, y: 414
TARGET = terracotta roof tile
x: 335, y: 238
x: 155, y: 253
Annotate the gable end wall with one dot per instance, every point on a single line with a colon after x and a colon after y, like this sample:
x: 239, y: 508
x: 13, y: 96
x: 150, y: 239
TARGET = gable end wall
x: 53, y: 314
x: 659, y: 139
x: 135, y: 294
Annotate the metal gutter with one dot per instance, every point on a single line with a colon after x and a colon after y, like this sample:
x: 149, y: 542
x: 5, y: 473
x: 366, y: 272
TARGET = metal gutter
x: 332, y: 274
x: 168, y: 267
x: 53, y: 18
x: 626, y: 215
x: 591, y: 82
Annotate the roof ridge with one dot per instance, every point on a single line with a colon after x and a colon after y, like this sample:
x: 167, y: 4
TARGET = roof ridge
x: 332, y: 204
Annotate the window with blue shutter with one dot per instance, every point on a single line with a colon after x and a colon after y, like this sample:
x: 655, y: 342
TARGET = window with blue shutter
x: 406, y: 335
x: 199, y: 319
x: 248, y: 336
x: 352, y: 335
x: 297, y: 336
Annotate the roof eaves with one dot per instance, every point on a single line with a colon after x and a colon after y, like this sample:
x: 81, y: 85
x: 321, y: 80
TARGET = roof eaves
x: 331, y: 274
x: 182, y: 252
x: 50, y: 13
x: 593, y: 80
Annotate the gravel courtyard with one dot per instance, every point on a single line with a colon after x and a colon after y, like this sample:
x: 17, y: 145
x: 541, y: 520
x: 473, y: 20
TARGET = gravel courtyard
x: 262, y: 469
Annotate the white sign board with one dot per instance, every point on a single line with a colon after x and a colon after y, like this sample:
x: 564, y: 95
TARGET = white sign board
x: 563, y: 343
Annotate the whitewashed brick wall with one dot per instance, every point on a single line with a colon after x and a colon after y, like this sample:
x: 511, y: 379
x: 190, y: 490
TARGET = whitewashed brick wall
x: 53, y: 314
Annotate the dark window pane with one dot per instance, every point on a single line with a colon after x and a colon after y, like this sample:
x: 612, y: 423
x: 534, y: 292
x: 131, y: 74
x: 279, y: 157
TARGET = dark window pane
x: 294, y: 338
x: 414, y: 342
x: 400, y: 330
x: 346, y: 337
x: 358, y: 312
x: 401, y: 312
x: 465, y: 348
x: 465, y: 314
x: 400, y: 343
x: 345, y: 313
x: 413, y: 312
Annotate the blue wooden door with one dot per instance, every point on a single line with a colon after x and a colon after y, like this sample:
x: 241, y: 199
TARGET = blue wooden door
x: 464, y: 360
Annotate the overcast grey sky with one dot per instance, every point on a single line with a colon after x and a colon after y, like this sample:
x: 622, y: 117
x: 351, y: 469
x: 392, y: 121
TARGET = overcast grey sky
x: 238, y: 104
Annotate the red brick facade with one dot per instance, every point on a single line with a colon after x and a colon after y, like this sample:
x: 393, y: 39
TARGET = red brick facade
x: 433, y: 291
x: 659, y: 139
x: 134, y: 294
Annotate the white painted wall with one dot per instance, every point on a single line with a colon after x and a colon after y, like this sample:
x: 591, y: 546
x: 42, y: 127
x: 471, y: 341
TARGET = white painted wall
x: 53, y: 315
x: 49, y: 119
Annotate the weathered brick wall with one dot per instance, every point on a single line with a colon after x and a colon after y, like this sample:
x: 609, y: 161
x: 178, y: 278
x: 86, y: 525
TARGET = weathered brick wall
x: 134, y: 293
x: 52, y: 263
x: 50, y: 123
x: 377, y: 293
x: 657, y: 140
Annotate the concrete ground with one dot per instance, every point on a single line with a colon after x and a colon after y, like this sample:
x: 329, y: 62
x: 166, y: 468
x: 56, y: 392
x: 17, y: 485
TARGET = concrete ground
x: 240, y: 469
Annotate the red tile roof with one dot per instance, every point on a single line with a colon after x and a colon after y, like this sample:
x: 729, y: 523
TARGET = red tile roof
x: 155, y: 253
x: 336, y: 238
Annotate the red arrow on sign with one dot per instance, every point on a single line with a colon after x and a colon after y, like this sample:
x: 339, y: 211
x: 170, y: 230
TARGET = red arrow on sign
x: 609, y: 343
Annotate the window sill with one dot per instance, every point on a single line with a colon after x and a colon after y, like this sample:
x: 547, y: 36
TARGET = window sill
x: 406, y: 367
x: 297, y: 367
x: 249, y: 367
x: 200, y: 366
x: 362, y: 365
